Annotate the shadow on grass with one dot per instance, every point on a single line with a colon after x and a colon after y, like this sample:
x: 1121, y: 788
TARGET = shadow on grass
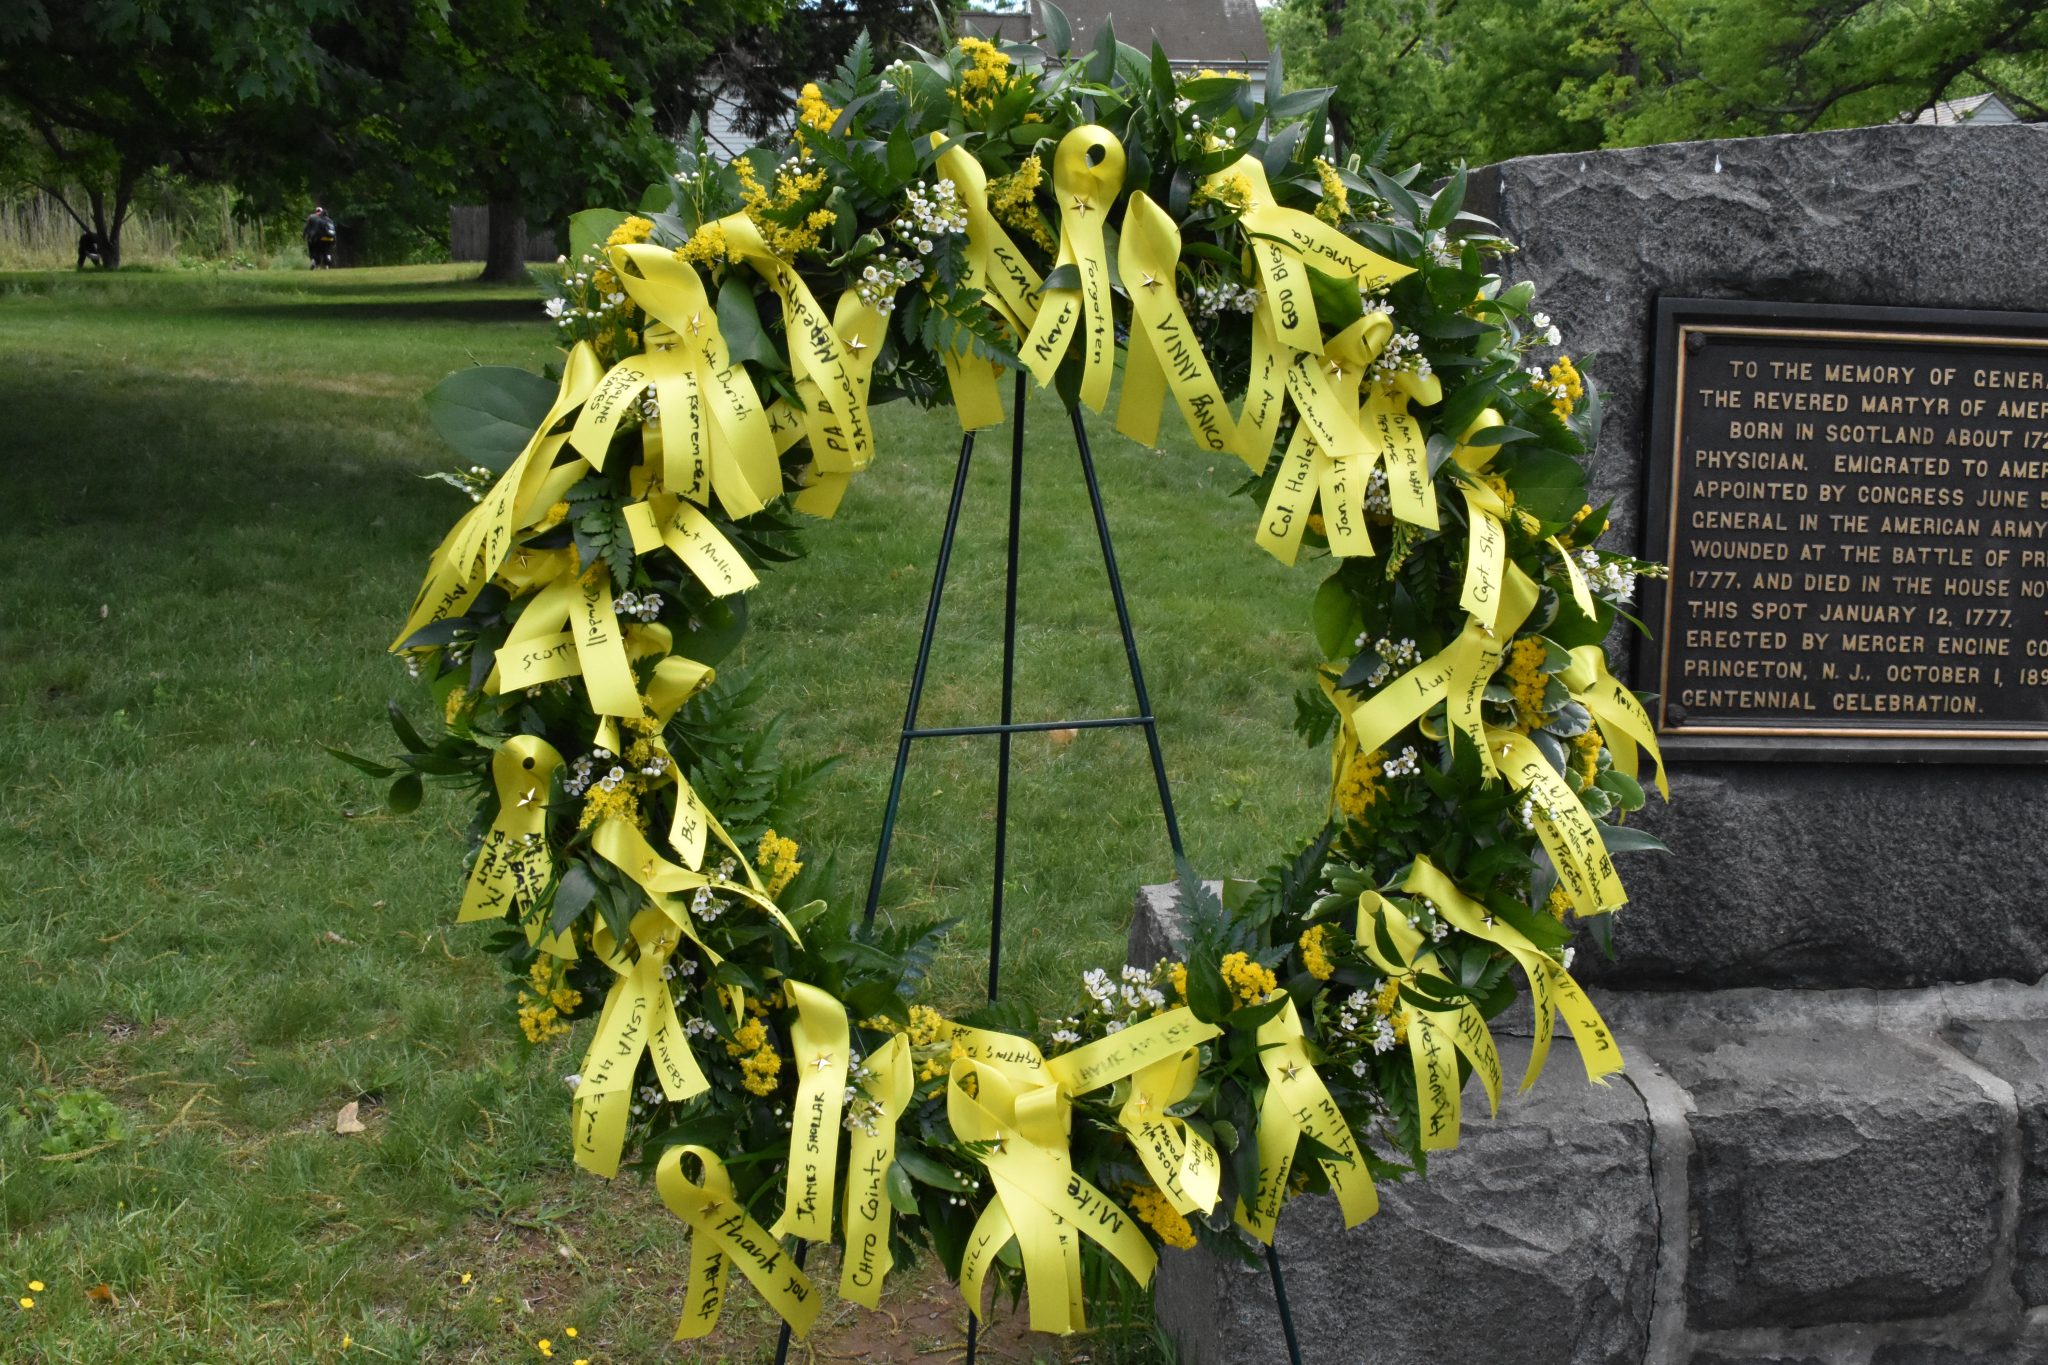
x: 313, y: 311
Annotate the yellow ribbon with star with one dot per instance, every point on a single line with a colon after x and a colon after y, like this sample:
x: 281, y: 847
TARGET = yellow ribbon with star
x: 1297, y: 1103
x: 477, y: 545
x: 1551, y: 988
x: 1164, y: 354
x: 819, y: 1042
x: 1087, y: 174
x: 1437, y: 1032
x: 513, y: 862
x: 722, y: 1235
x: 1572, y: 837
x: 638, y: 1019
x: 867, y: 1261
x: 1624, y: 724
x: 995, y: 266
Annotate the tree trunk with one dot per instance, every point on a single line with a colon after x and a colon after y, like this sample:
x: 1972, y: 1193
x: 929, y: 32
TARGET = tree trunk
x: 107, y: 230
x: 505, y: 253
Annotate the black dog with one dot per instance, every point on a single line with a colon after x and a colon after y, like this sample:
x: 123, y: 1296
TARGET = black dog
x: 91, y: 249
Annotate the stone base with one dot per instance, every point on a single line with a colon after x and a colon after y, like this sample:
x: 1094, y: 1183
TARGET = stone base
x: 1780, y: 1178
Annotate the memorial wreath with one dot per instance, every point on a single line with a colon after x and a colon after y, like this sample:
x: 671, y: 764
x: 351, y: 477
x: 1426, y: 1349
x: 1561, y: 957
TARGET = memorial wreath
x: 927, y: 225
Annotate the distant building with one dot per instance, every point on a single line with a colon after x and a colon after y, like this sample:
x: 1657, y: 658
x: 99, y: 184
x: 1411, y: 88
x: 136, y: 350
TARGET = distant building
x: 1973, y: 109
x: 1218, y: 35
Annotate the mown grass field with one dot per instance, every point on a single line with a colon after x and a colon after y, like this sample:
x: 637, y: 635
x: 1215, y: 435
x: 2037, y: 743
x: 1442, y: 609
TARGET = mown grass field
x: 214, y: 522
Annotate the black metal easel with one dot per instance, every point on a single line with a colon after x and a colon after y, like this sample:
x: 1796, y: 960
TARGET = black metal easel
x: 1009, y: 726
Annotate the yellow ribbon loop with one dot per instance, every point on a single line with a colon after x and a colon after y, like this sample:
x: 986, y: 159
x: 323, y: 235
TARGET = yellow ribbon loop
x: 1308, y: 238
x: 1456, y: 676
x: 638, y: 1018
x: 513, y: 863
x: 1087, y: 173
x: 819, y: 1043
x: 535, y: 642
x: 621, y: 844
x: 721, y: 1235
x: 1435, y: 1034
x: 867, y: 1261
x: 1164, y: 353
x: 860, y: 328
x: 1624, y: 724
x: 1568, y: 833
x: 993, y: 259
x: 1551, y: 987
x: 477, y: 545
x: 836, y: 417
x: 1473, y: 458
x: 1045, y: 1201
x: 675, y: 680
x: 1297, y: 1102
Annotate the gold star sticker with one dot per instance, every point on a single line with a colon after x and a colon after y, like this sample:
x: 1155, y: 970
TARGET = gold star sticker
x: 532, y: 795
x: 1152, y: 282
x: 856, y: 345
x: 647, y: 869
x: 823, y: 1062
x: 1143, y: 1102
x: 1289, y: 1071
x: 696, y: 323
x: 996, y: 1148
x: 1080, y: 205
x: 522, y: 559
x: 1336, y: 368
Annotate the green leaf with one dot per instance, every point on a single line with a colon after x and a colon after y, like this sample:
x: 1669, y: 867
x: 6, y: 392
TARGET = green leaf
x: 575, y: 892
x: 1058, y: 32
x: 1337, y: 620
x: 588, y: 230
x: 405, y: 793
x: 1550, y: 485
x: 1066, y: 276
x: 373, y: 769
x: 488, y: 413
x: 901, y: 1196
x: 1628, y: 839
x: 927, y: 1171
x: 1627, y: 792
x: 739, y: 321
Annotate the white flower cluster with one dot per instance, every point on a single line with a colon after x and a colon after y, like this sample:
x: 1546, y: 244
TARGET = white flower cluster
x: 1401, y: 653
x: 929, y: 213
x: 699, y: 1027
x: 685, y: 967
x: 862, y: 1112
x: 583, y: 772
x: 646, y: 1098
x: 565, y: 313
x: 1611, y: 579
x: 1442, y: 250
x: 1404, y: 764
x: 1360, y: 1018
x: 641, y: 606
x: 1546, y: 329
x: 1402, y: 355
x: 1225, y: 298
x: 879, y: 282
x: 1121, y: 1003
x: 1377, y: 499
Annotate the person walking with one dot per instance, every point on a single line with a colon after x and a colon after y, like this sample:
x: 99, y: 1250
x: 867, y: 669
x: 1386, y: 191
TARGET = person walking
x: 320, y: 238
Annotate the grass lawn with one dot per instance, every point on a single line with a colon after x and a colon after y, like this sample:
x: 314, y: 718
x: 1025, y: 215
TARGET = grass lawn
x: 215, y: 526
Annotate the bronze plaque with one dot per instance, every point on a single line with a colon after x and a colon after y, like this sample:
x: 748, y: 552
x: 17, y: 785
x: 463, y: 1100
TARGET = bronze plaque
x: 1854, y: 506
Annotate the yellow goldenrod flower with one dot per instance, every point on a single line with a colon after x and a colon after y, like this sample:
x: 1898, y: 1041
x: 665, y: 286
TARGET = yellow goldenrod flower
x: 1179, y: 972
x: 1362, y: 784
x: 1336, y: 198
x: 1558, y: 904
x: 1586, y: 755
x: 1527, y: 680
x: 812, y: 110
x: 986, y: 75
x: 1250, y: 981
x: 635, y: 229
x: 1566, y: 386
x: 708, y: 245
x: 776, y: 856
x: 1156, y: 1210
x: 1315, y: 952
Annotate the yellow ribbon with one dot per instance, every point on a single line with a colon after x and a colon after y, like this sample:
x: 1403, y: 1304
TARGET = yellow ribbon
x: 867, y: 1261
x: 1297, y: 1102
x: 836, y: 416
x: 1040, y: 1199
x: 664, y: 519
x: 1435, y: 1035
x: 1163, y: 352
x: 1624, y: 724
x: 722, y: 1234
x: 998, y: 268
x: 513, y: 863
x: 1551, y: 988
x: 535, y: 642
x: 819, y: 1043
x: 1410, y: 490
x: 1456, y: 676
x: 1087, y: 174
x: 1293, y: 498
x: 1569, y: 834
x: 478, y: 544
x: 639, y: 1017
